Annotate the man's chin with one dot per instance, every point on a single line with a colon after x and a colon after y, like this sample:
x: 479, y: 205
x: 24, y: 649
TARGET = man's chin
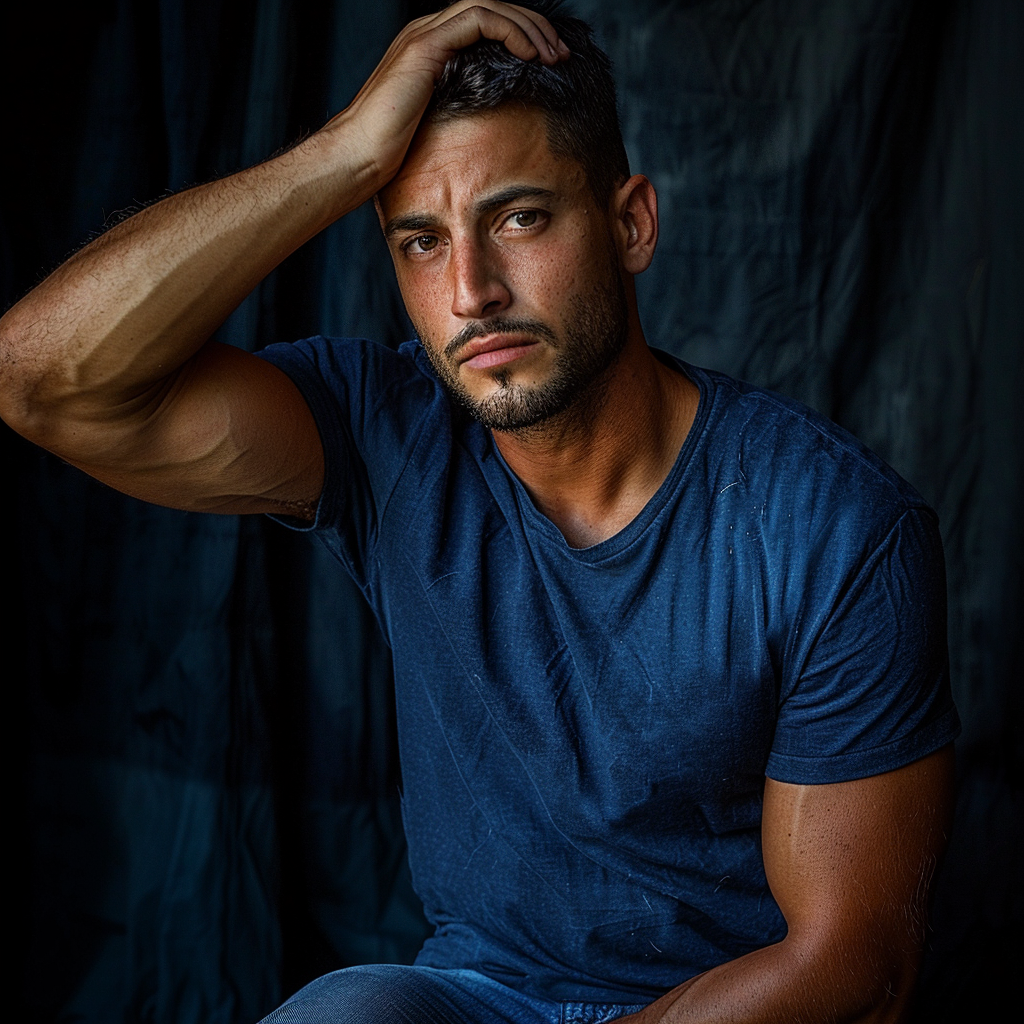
x: 507, y: 404
x: 517, y: 407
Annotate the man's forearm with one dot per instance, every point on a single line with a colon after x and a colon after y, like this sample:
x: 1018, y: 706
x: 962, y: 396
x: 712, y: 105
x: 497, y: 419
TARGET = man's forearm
x: 122, y: 315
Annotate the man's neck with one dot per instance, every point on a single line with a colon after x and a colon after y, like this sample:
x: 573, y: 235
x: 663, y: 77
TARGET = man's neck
x: 594, y: 468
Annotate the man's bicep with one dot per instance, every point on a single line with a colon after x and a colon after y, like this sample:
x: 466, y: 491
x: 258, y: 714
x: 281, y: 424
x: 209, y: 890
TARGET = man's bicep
x: 232, y: 433
x: 850, y: 863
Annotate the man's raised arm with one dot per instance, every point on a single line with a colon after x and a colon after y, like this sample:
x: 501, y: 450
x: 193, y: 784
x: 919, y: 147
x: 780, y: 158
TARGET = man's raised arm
x: 107, y: 363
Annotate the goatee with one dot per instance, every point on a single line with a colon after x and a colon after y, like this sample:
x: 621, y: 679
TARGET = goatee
x: 594, y: 336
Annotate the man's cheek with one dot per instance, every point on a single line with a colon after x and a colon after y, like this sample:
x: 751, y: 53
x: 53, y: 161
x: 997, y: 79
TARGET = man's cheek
x: 542, y: 274
x: 429, y: 307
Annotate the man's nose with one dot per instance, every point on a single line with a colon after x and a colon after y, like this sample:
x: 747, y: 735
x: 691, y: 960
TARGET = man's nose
x: 478, y: 285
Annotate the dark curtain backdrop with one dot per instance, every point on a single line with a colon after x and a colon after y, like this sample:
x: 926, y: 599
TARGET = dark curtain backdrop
x: 203, y: 781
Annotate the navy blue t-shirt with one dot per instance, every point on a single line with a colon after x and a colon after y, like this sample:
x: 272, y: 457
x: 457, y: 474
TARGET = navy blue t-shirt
x: 584, y: 733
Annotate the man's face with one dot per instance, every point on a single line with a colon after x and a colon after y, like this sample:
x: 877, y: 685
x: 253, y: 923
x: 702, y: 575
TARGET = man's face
x: 507, y: 267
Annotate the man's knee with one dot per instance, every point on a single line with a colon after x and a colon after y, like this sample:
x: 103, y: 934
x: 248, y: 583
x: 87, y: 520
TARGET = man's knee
x: 373, y: 994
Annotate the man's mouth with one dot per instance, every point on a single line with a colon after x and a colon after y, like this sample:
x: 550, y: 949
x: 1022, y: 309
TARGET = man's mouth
x: 495, y: 350
x: 488, y: 343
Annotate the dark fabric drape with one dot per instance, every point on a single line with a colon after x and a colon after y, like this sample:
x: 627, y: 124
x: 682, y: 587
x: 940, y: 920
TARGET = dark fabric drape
x: 204, y: 781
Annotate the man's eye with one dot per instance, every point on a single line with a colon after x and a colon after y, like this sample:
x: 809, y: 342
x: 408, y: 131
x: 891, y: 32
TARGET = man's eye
x: 525, y: 218
x: 422, y: 243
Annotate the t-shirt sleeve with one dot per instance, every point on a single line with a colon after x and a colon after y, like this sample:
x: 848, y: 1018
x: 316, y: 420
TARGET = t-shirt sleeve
x: 867, y: 689
x: 369, y: 403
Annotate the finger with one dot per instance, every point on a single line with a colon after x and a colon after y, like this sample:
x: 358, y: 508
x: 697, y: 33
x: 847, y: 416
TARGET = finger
x: 550, y: 35
x: 537, y: 28
x: 519, y: 30
x: 477, y: 23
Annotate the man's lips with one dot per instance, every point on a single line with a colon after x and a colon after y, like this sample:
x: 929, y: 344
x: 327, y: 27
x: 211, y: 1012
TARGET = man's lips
x: 494, y: 350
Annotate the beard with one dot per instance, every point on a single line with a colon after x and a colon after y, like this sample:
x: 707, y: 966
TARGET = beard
x: 594, y: 335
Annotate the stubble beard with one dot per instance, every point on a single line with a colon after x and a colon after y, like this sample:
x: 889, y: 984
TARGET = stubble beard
x: 595, y: 333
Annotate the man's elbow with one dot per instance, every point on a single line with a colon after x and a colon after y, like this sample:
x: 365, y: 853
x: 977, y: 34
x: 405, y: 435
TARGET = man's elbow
x: 23, y: 406
x: 52, y: 391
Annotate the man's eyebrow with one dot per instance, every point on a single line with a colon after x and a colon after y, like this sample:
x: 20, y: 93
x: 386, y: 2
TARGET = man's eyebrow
x: 510, y: 195
x: 496, y: 200
x: 408, y: 222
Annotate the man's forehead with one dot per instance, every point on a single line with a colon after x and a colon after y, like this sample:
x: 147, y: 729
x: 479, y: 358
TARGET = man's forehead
x: 473, y: 162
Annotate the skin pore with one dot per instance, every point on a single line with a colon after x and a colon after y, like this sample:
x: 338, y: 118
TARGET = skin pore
x: 520, y: 287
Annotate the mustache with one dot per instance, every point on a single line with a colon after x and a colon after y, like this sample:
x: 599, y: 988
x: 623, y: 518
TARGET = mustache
x: 498, y: 325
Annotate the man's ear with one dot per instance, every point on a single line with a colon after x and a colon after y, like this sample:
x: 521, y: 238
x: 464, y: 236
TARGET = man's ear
x: 635, y: 211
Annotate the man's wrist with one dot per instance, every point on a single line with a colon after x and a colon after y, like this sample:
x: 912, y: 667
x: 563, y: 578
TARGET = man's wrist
x: 354, y: 171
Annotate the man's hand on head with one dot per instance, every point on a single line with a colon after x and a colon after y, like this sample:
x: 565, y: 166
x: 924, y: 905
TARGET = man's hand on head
x: 385, y: 113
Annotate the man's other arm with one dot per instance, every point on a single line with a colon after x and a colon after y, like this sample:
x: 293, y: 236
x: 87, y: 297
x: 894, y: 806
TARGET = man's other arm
x: 850, y: 865
x: 107, y: 363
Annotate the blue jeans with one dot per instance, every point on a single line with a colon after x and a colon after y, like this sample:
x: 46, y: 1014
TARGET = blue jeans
x: 393, y: 994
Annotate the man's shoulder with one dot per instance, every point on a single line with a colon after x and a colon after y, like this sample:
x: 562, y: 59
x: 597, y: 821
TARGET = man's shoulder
x: 787, y: 449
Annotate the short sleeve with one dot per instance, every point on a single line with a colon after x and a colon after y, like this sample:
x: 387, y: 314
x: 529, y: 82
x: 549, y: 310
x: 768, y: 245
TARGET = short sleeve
x: 370, y: 404
x: 871, y: 692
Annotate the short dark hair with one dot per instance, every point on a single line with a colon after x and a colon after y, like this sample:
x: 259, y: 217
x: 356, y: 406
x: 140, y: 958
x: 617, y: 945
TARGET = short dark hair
x: 577, y: 96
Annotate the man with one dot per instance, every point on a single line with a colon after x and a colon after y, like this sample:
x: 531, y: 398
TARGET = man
x: 673, y: 706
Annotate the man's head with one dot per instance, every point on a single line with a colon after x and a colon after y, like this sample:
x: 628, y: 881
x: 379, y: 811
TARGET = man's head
x: 576, y: 95
x: 515, y: 229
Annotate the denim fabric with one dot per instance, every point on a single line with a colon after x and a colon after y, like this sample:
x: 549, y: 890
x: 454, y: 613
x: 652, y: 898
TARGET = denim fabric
x: 389, y: 993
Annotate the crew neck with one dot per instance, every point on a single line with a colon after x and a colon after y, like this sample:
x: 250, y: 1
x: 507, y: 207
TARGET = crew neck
x: 639, y: 524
